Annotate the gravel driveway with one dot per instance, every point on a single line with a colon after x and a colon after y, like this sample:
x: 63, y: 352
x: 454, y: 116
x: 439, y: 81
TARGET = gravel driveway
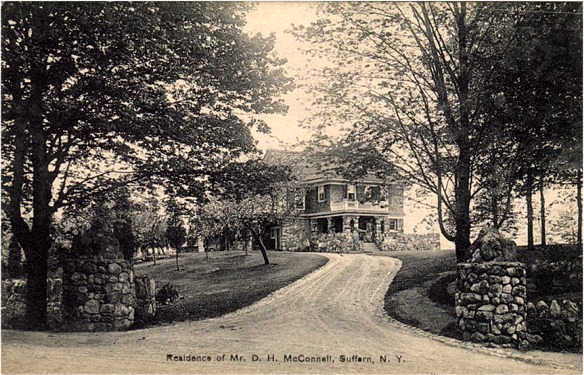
x: 331, y: 321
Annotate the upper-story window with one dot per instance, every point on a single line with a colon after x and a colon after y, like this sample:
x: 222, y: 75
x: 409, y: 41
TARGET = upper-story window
x: 320, y: 191
x: 351, y: 192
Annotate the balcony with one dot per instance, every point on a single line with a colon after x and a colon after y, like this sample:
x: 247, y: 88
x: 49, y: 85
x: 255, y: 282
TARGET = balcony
x: 354, y: 206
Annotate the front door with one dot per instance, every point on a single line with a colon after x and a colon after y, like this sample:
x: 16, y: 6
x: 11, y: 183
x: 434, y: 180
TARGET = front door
x: 275, y: 235
x: 366, y: 229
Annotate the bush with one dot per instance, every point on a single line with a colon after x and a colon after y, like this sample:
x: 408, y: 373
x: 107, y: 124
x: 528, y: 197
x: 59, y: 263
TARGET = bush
x: 563, y: 275
x: 167, y: 294
x: 336, y: 243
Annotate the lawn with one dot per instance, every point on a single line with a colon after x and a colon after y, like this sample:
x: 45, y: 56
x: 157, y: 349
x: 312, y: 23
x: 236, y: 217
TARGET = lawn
x: 413, y: 296
x: 422, y: 294
x: 226, y: 282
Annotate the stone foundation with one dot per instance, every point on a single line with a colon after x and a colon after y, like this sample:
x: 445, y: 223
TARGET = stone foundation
x: 295, y: 234
x: 491, y: 302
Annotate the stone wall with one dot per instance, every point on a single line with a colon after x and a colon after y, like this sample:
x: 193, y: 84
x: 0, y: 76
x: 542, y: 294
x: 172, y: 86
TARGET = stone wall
x: 14, y: 301
x: 396, y: 241
x: 95, y: 290
x: 336, y: 243
x: 491, y: 302
x: 558, y: 324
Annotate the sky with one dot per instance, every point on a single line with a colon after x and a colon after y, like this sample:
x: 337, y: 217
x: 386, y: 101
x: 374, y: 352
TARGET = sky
x: 277, y: 17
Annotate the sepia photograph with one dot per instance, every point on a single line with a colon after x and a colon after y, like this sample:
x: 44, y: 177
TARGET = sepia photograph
x: 294, y: 187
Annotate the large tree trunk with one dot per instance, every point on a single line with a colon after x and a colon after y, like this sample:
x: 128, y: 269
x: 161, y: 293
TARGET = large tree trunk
x: 542, y: 210
x: 176, y: 252
x: 458, y: 123
x: 529, y: 199
x: 495, y: 207
x: 37, y: 251
x: 37, y: 247
x: 579, y: 201
x: 36, y: 287
x: 462, y: 219
x: 36, y: 242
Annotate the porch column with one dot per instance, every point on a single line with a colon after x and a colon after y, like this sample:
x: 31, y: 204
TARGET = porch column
x: 347, y: 223
x: 313, y: 226
x: 329, y: 224
x: 357, y: 232
x: 378, y: 234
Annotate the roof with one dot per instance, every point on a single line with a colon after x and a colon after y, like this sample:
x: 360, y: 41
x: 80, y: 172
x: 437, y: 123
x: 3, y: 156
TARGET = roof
x: 307, y: 168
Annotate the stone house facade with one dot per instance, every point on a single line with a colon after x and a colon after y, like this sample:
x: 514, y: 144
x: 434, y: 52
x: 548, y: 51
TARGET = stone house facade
x: 370, y: 209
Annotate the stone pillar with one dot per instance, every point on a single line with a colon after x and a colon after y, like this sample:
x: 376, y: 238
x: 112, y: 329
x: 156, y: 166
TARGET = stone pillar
x: 491, y: 302
x: 145, y: 299
x: 329, y: 224
x: 346, y: 224
x: 98, y: 286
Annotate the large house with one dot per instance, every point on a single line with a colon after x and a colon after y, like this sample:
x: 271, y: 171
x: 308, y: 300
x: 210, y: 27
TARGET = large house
x: 369, y: 209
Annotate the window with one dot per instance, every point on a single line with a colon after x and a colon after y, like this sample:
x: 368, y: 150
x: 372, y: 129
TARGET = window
x: 300, y: 201
x: 392, y: 224
x: 351, y: 192
x: 321, y: 195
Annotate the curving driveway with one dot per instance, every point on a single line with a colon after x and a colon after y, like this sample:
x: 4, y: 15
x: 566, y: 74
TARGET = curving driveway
x: 335, y: 311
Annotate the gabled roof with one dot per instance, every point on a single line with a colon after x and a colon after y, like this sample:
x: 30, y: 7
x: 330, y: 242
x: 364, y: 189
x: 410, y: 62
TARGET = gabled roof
x: 307, y: 168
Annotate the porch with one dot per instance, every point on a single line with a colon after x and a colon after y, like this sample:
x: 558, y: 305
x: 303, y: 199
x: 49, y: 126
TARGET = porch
x: 366, y: 228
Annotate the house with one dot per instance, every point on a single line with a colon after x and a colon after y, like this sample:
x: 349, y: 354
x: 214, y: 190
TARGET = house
x: 367, y: 210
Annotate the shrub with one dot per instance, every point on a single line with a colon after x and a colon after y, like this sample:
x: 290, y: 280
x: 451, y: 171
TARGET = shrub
x: 563, y: 274
x: 336, y: 243
x: 167, y: 294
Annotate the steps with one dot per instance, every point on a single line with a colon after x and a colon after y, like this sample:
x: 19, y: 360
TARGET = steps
x: 370, y: 247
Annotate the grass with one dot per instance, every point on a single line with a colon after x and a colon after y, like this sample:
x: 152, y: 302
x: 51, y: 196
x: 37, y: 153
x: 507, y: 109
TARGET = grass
x: 420, y: 296
x: 420, y: 266
x: 226, y: 282
x: 417, y: 294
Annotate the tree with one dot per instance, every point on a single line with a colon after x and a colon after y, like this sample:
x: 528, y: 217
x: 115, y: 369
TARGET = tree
x: 100, y: 95
x: 176, y: 233
x: 412, y: 90
x: 149, y: 228
x: 111, y: 213
x: 414, y: 81
x: 248, y: 198
x: 539, y: 85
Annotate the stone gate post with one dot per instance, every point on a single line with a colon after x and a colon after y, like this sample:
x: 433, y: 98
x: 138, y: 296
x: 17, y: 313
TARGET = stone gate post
x: 98, y: 286
x: 491, y: 292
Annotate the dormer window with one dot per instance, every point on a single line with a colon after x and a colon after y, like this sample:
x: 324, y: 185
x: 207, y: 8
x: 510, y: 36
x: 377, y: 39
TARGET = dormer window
x: 351, y: 192
x: 320, y: 192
